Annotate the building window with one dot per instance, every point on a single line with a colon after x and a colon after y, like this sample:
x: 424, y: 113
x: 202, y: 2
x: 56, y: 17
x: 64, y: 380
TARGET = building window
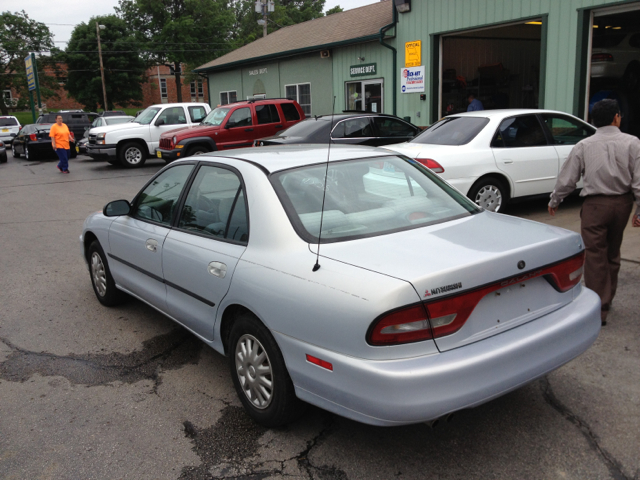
x: 301, y: 93
x: 199, y: 93
x: 163, y: 88
x: 228, y: 97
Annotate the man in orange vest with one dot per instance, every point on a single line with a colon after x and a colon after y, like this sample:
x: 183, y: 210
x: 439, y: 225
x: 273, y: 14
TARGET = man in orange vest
x: 60, y: 138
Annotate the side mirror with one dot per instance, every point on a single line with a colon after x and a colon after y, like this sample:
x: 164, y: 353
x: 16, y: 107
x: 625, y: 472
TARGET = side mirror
x: 116, y: 208
x: 230, y: 125
x: 159, y: 122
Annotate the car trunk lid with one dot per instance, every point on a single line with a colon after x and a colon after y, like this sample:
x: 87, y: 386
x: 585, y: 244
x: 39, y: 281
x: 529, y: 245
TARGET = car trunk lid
x: 502, y: 259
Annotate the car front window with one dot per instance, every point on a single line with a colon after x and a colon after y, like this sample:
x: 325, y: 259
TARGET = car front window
x: 216, y: 117
x: 146, y: 117
x: 366, y: 198
x: 452, y: 131
x: 158, y: 200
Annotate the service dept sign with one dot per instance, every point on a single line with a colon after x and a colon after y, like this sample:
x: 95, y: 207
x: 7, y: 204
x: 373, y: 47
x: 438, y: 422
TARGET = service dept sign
x: 362, y: 70
x: 412, y: 79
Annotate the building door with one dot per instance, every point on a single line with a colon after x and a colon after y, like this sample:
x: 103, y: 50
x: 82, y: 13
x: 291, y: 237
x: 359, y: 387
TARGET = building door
x: 365, y: 96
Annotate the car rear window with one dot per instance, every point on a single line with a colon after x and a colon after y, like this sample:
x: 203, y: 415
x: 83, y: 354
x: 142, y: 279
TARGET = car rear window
x: 8, y: 122
x: 452, y: 131
x: 267, y: 114
x: 290, y: 112
x: 366, y: 197
x: 306, y: 128
x: 608, y: 41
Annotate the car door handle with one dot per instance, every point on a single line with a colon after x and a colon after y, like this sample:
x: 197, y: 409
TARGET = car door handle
x: 508, y: 162
x: 248, y: 129
x: 278, y: 126
x: 217, y: 269
x: 152, y: 245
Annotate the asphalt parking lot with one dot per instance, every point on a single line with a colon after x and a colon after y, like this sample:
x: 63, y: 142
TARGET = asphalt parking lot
x: 90, y: 392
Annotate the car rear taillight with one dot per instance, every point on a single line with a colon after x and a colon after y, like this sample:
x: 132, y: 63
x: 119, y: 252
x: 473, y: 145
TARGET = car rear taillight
x: 406, y: 325
x: 602, y: 57
x: 434, y: 166
x: 445, y: 316
x: 33, y: 137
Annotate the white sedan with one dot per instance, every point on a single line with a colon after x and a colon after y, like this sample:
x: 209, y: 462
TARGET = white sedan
x: 493, y: 156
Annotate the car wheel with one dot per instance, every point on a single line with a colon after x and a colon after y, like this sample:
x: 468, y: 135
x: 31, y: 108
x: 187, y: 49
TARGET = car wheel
x: 28, y: 154
x: 73, y: 153
x: 101, y: 279
x: 3, y: 158
x: 13, y: 150
x: 132, y: 155
x: 260, y: 375
x: 197, y: 150
x: 490, y: 193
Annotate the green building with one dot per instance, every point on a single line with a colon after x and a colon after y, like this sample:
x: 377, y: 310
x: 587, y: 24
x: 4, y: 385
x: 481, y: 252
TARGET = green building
x: 422, y: 58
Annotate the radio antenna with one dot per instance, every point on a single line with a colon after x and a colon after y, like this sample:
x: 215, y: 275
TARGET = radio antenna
x: 316, y: 267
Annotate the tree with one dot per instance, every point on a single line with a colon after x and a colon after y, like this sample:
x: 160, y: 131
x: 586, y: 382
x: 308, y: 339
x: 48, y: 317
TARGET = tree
x: 124, y: 66
x: 336, y: 9
x: 19, y: 36
x: 287, y: 12
x: 179, y: 31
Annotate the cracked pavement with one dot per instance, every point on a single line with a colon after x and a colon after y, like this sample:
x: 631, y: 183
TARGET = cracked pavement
x: 91, y: 392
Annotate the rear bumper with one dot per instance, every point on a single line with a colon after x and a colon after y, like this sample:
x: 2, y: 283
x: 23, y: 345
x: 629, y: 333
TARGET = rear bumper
x: 7, y: 138
x: 405, y: 391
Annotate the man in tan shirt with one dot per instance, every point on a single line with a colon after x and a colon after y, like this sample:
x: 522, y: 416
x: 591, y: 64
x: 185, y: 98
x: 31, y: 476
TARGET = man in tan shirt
x: 609, y: 163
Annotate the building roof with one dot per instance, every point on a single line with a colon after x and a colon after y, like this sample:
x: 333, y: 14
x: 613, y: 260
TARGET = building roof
x: 351, y: 26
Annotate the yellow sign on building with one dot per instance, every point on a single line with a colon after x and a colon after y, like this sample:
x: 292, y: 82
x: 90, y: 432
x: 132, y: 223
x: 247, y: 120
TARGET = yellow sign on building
x: 413, y: 54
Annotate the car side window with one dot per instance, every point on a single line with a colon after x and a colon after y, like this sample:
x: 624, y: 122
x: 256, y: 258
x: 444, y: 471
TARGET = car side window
x: 267, y: 114
x: 158, y: 201
x: 240, y: 118
x: 353, y: 128
x: 290, y: 112
x: 515, y: 132
x: 391, y: 127
x: 215, y: 205
x: 197, y: 114
x: 173, y: 116
x: 565, y: 130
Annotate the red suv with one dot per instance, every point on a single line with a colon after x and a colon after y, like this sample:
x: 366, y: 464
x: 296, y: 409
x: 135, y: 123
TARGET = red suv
x: 230, y: 126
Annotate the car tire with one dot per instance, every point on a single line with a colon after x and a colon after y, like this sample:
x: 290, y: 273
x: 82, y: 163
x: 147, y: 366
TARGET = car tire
x: 3, y: 158
x: 631, y: 77
x: 28, y: 155
x: 132, y: 155
x: 490, y: 193
x: 73, y: 153
x: 197, y: 150
x: 101, y: 279
x: 260, y: 375
x: 13, y: 150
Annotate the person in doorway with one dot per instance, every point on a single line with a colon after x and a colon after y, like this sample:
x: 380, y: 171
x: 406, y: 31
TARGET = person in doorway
x: 609, y: 163
x: 475, y: 105
x: 60, y: 138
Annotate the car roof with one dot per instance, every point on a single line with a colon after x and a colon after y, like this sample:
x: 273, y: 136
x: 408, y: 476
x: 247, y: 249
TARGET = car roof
x: 506, y: 112
x: 283, y: 157
x: 183, y: 104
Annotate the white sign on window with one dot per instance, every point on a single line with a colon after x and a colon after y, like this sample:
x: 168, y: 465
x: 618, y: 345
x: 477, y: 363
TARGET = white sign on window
x: 412, y: 79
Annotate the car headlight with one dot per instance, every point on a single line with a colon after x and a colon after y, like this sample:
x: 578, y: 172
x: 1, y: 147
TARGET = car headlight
x: 101, y: 139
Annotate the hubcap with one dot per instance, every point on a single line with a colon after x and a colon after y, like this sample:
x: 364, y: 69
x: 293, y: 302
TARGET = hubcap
x: 98, y: 274
x: 133, y: 155
x: 489, y: 197
x: 254, y: 371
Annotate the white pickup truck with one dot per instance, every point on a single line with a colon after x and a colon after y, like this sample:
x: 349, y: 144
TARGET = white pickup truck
x: 130, y: 144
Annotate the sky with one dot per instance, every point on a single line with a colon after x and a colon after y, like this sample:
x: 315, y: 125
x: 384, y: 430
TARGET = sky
x: 62, y: 15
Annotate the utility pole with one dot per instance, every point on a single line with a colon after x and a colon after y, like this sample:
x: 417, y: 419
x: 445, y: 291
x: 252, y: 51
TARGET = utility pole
x: 264, y: 7
x: 104, y: 88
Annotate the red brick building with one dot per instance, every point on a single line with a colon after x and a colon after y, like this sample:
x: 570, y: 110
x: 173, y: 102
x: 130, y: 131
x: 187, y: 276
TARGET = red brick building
x: 160, y: 87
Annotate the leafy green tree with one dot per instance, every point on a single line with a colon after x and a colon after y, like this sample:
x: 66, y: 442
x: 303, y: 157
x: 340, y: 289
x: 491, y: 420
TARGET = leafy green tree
x: 124, y: 67
x: 287, y: 12
x: 336, y: 9
x: 179, y: 31
x: 19, y: 36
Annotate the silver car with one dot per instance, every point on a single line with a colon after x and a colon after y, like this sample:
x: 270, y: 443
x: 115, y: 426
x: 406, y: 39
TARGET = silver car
x: 364, y: 284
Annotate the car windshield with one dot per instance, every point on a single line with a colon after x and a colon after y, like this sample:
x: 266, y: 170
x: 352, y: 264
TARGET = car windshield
x: 305, y: 128
x: 452, y: 131
x: 146, y: 117
x: 366, y: 197
x: 216, y: 116
x: 8, y: 122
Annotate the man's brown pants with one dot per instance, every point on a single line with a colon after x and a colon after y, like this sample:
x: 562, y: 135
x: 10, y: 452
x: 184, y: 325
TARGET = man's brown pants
x: 603, y: 220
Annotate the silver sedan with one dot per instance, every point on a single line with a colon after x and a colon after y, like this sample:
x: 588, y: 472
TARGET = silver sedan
x: 362, y: 283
